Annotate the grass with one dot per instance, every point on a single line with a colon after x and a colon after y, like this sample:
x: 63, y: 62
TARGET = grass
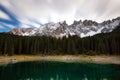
x: 103, y: 59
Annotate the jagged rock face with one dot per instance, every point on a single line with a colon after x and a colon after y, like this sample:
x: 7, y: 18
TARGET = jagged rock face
x: 110, y: 25
x: 21, y: 31
x: 60, y: 29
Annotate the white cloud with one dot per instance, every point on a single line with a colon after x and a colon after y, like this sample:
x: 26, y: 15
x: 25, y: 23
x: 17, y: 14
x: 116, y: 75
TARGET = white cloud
x: 6, y: 25
x: 2, y: 15
x: 45, y: 11
x: 1, y: 26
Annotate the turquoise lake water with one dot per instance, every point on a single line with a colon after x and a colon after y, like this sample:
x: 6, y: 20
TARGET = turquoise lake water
x: 47, y: 70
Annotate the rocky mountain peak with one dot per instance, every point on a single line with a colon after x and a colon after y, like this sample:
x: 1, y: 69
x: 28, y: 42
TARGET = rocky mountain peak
x: 89, y: 23
x: 60, y: 29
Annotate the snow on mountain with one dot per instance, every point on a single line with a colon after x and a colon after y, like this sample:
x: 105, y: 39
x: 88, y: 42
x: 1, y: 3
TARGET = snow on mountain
x: 60, y: 29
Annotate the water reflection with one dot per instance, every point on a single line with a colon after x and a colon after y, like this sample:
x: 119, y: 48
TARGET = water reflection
x: 59, y: 71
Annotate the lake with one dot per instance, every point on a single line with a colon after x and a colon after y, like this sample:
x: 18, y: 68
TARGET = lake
x: 51, y: 70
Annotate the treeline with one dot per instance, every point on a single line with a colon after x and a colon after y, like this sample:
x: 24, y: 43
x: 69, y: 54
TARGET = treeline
x: 105, y: 43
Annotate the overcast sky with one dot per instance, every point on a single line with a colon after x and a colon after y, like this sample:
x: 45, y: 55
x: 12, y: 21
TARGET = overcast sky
x: 33, y: 13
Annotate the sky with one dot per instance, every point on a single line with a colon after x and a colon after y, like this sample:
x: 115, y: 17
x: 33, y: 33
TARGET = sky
x: 34, y: 13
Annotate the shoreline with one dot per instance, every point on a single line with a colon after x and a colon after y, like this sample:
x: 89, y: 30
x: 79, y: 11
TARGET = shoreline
x: 101, y: 59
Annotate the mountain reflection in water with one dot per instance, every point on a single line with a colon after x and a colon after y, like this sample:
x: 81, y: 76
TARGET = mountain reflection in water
x: 47, y: 70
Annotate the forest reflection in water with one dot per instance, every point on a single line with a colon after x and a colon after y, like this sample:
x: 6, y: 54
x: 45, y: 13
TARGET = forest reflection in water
x: 49, y: 70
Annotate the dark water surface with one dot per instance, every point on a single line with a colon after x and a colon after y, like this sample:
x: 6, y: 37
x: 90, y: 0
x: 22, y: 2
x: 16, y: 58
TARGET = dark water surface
x: 46, y: 70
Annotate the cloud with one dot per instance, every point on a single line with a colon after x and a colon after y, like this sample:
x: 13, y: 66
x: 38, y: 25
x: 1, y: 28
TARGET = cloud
x: 5, y: 27
x: 2, y: 15
x: 38, y: 12
x: 12, y: 18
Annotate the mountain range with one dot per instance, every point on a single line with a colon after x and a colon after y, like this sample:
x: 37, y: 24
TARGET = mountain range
x: 60, y: 29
